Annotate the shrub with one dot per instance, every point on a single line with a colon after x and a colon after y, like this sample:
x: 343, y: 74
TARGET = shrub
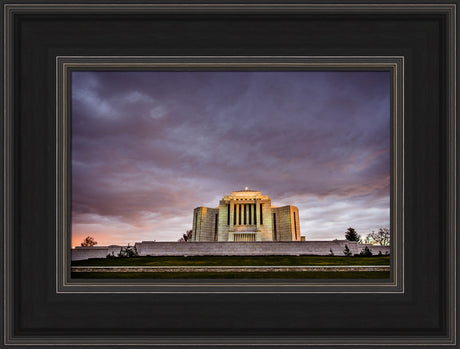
x: 347, y: 251
x: 366, y: 252
x: 127, y: 252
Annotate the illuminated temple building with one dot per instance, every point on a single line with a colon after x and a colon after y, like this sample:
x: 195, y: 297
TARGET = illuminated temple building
x: 246, y: 215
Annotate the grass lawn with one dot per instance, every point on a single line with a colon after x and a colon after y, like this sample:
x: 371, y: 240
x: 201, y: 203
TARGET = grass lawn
x: 241, y: 275
x: 235, y: 261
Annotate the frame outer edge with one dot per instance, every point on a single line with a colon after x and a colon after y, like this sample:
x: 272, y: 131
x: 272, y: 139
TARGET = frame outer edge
x: 453, y: 174
x: 8, y: 178
x: 8, y: 158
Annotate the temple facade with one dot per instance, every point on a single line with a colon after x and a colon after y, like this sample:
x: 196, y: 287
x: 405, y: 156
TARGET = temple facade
x: 246, y: 216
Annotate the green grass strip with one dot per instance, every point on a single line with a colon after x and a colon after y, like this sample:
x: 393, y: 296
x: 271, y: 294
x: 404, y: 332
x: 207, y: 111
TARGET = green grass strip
x: 236, y: 261
x: 240, y: 275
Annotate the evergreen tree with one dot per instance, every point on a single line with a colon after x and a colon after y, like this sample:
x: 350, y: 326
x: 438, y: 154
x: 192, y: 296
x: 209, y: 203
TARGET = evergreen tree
x: 352, y: 235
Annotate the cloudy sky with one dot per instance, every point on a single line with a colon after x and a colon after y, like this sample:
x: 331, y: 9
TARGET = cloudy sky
x: 149, y: 147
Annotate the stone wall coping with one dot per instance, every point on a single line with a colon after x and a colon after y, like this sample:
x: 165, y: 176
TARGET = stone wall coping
x: 94, y: 247
x: 283, y: 268
x: 258, y: 242
x: 312, y: 242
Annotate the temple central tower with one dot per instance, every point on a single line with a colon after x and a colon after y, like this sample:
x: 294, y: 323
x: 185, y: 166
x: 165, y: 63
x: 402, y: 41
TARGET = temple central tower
x: 246, y: 215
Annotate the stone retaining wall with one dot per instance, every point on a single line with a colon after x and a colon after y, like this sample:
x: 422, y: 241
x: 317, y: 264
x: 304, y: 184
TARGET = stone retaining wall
x: 262, y: 248
x: 81, y: 253
x: 292, y: 248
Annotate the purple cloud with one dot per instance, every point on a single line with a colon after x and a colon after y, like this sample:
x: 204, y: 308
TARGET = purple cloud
x: 148, y: 147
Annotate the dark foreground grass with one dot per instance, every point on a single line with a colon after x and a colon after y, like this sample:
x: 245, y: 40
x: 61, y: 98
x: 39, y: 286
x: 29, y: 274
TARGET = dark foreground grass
x: 236, y: 261
x: 241, y: 275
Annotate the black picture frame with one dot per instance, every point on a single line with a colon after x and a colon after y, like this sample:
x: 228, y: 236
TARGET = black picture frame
x: 37, y: 311
x: 67, y: 65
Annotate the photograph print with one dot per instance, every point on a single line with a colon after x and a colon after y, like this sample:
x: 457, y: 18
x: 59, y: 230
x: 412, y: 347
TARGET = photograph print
x: 230, y: 174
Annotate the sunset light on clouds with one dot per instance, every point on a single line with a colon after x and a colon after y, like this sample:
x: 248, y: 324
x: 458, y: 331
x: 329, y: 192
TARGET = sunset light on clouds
x: 149, y: 147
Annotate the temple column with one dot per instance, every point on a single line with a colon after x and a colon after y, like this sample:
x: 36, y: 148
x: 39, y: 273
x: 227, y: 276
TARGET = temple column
x: 250, y: 214
x: 240, y: 213
x: 247, y: 213
x: 238, y: 218
x: 232, y: 208
x: 236, y: 214
x: 257, y: 215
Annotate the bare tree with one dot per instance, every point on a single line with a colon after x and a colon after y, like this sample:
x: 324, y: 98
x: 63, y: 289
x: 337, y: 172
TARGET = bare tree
x: 89, y: 241
x: 187, y: 236
x: 367, y: 239
x: 382, y: 237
